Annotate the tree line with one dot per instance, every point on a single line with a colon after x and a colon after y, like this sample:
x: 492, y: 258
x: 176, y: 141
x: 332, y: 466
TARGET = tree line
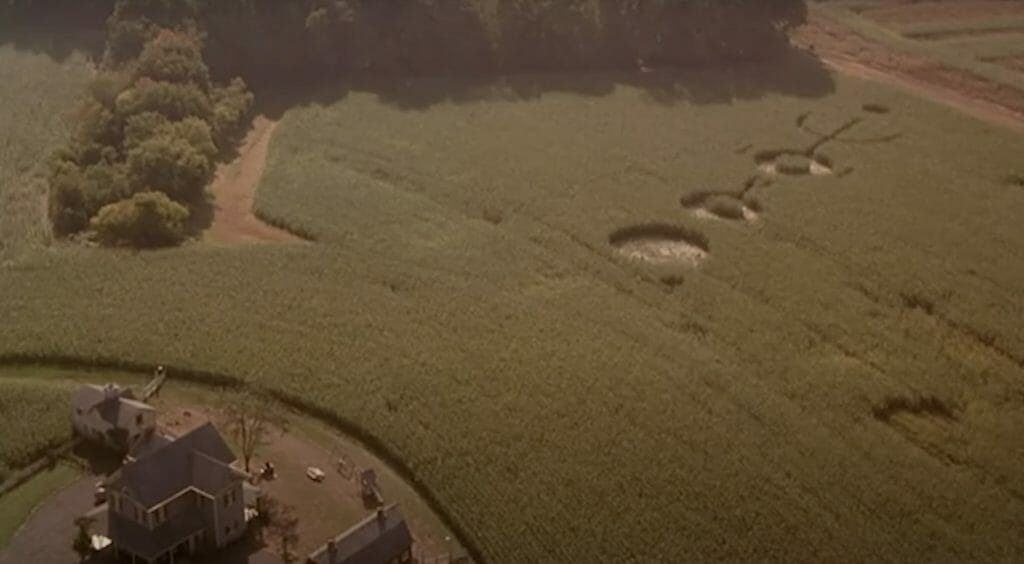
x: 167, y: 102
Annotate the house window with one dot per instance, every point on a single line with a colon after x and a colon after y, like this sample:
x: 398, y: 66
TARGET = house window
x: 138, y: 419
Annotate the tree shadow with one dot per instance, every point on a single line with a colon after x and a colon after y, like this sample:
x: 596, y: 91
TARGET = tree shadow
x: 201, y: 216
x: 57, y: 29
x: 795, y: 73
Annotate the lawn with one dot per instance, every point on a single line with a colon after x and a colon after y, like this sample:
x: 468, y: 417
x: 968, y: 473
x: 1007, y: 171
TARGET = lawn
x: 19, y: 503
x: 38, y: 94
x: 462, y: 309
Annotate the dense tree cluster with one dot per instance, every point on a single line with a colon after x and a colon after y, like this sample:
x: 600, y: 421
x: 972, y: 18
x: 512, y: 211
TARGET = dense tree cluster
x: 143, y: 152
x: 154, y: 121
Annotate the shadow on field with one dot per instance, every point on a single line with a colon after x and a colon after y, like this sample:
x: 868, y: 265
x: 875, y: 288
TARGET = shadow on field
x: 798, y: 73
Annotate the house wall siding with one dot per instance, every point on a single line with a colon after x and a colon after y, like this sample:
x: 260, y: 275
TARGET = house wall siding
x: 230, y: 517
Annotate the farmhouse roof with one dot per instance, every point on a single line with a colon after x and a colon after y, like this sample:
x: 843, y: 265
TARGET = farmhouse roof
x: 90, y: 395
x: 149, y: 442
x: 199, y: 459
x: 379, y: 539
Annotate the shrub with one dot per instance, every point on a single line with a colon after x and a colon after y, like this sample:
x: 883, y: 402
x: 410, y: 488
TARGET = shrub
x: 171, y: 163
x: 147, y: 219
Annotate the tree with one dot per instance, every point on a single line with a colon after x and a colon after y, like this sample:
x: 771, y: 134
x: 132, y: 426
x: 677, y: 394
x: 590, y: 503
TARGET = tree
x: 251, y: 419
x: 147, y: 219
x: 82, y: 543
x: 281, y: 524
x: 171, y: 164
x: 173, y: 57
x: 173, y: 100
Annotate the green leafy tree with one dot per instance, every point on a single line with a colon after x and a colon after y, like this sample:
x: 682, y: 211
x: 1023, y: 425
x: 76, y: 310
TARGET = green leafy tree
x: 231, y: 110
x: 173, y: 57
x: 147, y: 219
x: 172, y: 100
x: 173, y: 164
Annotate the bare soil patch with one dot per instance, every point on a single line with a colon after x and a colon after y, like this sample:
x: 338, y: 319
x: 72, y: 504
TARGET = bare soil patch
x: 853, y: 54
x: 234, y: 189
x: 901, y: 12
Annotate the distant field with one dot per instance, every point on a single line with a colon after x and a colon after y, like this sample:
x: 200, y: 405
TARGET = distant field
x: 985, y: 38
x: 841, y: 379
x: 37, y: 94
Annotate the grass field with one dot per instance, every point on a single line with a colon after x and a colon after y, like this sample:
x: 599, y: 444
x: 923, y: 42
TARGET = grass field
x: 840, y: 380
x: 37, y: 93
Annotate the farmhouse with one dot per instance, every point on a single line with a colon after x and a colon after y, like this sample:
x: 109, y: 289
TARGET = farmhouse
x: 111, y: 415
x: 381, y: 538
x: 176, y: 497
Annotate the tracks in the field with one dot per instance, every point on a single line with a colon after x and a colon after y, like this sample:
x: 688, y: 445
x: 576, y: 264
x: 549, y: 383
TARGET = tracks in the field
x: 234, y: 189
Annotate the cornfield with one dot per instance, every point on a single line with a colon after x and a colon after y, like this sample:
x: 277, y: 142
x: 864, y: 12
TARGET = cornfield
x: 34, y: 416
x: 559, y: 404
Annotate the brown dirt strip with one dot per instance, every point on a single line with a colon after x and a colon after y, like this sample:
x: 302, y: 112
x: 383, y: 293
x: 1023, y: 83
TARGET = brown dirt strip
x: 850, y: 53
x: 901, y: 12
x: 234, y: 189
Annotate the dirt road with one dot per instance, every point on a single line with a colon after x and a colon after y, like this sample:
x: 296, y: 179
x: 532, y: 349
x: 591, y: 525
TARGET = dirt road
x: 234, y: 189
x: 850, y: 53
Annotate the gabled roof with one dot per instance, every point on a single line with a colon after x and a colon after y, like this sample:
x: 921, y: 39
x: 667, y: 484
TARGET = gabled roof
x: 149, y: 442
x: 114, y: 404
x: 378, y: 539
x: 199, y: 459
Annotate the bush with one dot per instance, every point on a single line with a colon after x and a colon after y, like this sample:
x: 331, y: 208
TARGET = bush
x: 173, y: 165
x: 147, y: 219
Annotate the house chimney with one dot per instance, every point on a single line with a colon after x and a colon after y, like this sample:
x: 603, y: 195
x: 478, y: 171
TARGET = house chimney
x: 332, y: 550
x: 381, y: 518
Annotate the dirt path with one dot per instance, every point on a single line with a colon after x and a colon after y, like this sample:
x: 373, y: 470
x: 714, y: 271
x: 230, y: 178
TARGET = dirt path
x: 850, y: 53
x: 234, y: 188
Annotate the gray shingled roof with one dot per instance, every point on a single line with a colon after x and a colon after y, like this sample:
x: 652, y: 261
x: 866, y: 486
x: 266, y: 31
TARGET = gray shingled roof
x: 149, y: 544
x: 149, y: 443
x: 199, y: 458
x: 378, y: 539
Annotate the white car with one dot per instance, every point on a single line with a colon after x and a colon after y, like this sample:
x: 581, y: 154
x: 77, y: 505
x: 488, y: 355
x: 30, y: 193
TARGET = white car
x: 315, y: 474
